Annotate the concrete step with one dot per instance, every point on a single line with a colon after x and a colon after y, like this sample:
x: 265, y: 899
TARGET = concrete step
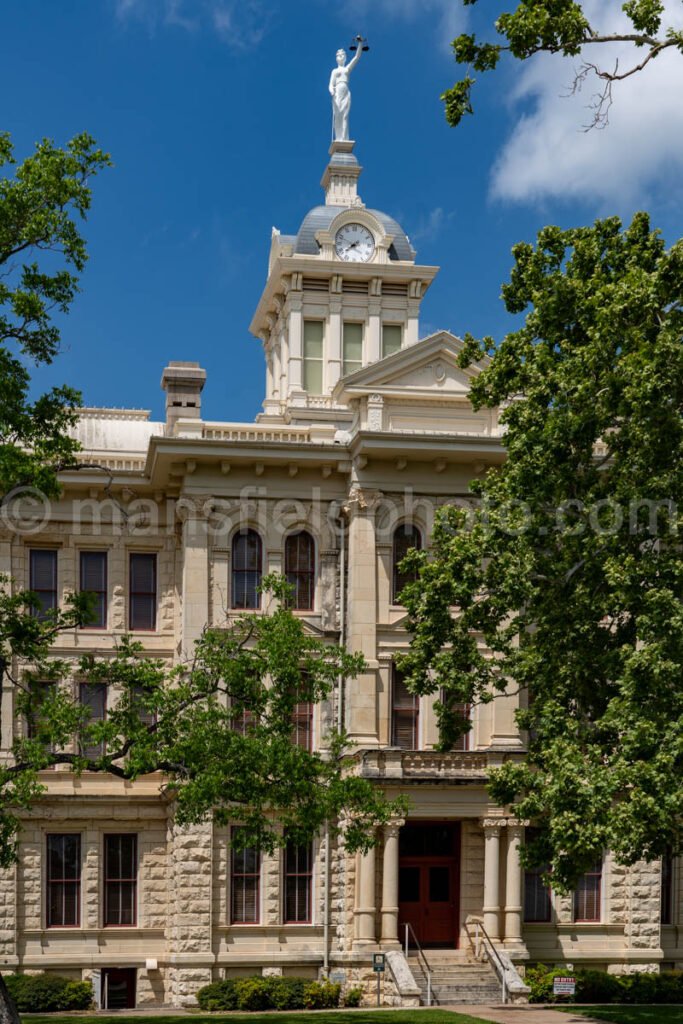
x: 456, y: 981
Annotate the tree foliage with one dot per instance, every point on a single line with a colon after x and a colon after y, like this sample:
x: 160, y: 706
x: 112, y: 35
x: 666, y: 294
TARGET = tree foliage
x: 42, y: 253
x: 219, y: 728
x: 567, y: 576
x: 561, y: 26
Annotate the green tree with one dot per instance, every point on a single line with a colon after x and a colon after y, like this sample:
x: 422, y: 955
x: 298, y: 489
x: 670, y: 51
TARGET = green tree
x: 219, y: 728
x: 562, y: 26
x: 42, y: 252
x: 569, y: 567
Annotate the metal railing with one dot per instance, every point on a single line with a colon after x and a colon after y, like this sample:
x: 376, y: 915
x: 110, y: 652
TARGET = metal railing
x: 420, y: 954
x: 482, y: 942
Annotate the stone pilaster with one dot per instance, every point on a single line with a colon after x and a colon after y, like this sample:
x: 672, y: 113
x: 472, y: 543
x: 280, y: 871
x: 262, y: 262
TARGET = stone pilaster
x: 190, y: 910
x: 361, y: 700
x: 195, y: 572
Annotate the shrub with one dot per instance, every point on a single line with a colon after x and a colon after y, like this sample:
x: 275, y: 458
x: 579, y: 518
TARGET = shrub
x: 353, y: 996
x: 253, y: 993
x: 48, y: 993
x: 321, y: 995
x: 600, y: 987
x: 287, y: 993
x: 219, y: 995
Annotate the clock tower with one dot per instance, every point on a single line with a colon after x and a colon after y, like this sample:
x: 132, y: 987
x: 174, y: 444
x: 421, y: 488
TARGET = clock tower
x: 343, y: 292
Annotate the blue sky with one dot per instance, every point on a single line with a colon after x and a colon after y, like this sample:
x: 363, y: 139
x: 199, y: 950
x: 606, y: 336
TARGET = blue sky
x: 217, y: 117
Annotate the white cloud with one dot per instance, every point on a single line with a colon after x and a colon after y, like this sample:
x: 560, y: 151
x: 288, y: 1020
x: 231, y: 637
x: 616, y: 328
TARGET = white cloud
x: 430, y: 226
x: 549, y: 155
x: 241, y: 24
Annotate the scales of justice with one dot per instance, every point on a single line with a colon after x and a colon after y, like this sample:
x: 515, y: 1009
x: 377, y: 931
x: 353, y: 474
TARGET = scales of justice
x: 340, y: 91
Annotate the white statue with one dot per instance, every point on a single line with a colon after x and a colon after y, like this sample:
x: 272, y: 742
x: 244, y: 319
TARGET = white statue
x: 341, y: 94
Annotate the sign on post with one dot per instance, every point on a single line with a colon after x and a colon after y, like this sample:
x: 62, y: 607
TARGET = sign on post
x: 378, y: 968
x: 564, y: 986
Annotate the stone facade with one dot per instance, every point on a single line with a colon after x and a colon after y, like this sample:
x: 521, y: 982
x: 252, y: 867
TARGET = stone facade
x: 373, y: 448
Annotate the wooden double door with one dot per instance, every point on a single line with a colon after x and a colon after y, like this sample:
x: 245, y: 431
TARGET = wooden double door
x: 429, y: 882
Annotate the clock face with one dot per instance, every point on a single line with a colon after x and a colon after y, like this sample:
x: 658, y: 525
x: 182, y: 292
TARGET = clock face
x: 354, y: 243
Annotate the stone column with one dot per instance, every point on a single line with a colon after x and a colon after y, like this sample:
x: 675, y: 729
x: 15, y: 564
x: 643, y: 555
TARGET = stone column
x: 361, y: 692
x: 390, y: 885
x: 513, y: 885
x: 366, y: 908
x: 492, y: 828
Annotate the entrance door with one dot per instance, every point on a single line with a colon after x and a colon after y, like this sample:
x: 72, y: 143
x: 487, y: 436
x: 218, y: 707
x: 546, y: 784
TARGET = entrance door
x: 118, y: 988
x: 429, y: 882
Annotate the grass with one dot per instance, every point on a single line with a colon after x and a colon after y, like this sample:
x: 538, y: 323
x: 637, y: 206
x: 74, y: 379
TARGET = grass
x: 630, y: 1014
x: 296, y: 1017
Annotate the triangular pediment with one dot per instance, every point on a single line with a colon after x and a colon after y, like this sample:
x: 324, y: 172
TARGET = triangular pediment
x: 428, y: 368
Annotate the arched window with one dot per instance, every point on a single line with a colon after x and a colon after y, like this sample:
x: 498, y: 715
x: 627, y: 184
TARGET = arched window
x: 300, y: 569
x: 405, y: 538
x: 247, y: 569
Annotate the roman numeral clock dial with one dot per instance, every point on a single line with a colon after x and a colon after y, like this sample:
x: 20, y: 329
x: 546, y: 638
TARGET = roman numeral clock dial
x: 354, y: 243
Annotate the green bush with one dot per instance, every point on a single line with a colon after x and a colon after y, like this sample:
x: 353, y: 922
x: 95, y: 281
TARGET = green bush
x: 48, y: 993
x: 254, y: 994
x: 287, y: 993
x: 321, y: 995
x: 600, y: 987
x: 219, y: 995
x: 353, y: 997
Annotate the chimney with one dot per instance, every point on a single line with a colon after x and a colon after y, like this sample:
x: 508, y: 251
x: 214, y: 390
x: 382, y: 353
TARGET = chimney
x: 183, y: 384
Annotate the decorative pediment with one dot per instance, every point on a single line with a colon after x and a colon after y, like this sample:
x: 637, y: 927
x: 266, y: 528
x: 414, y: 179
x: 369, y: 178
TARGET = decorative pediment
x: 428, y: 369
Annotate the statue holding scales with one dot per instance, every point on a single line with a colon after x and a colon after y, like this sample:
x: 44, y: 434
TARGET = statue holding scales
x: 339, y: 89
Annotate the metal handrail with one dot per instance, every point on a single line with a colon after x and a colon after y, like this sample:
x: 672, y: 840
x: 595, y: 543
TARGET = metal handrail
x: 490, y: 951
x: 420, y: 952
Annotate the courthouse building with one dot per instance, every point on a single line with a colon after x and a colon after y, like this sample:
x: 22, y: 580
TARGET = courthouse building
x: 366, y: 430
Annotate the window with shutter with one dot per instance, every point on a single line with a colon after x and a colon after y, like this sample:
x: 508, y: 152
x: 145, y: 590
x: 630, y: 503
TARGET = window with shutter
x: 298, y: 883
x: 352, y: 345
x: 537, y: 905
x: 302, y: 725
x: 404, y: 714
x: 120, y: 880
x: 94, y: 581
x: 140, y: 696
x: 313, y: 357
x: 43, y: 580
x: 667, y: 888
x: 247, y: 569
x: 143, y: 591
x: 245, y: 884
x: 465, y: 711
x: 392, y: 339
x: 405, y: 538
x: 300, y: 569
x: 63, y: 904
x: 587, y: 895
x: 93, y: 697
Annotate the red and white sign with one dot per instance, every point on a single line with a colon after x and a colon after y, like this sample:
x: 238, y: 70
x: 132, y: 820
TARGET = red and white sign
x: 564, y: 986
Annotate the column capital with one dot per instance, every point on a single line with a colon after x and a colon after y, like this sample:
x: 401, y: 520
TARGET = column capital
x: 362, y: 500
x: 493, y: 824
x: 517, y: 825
x: 392, y: 828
